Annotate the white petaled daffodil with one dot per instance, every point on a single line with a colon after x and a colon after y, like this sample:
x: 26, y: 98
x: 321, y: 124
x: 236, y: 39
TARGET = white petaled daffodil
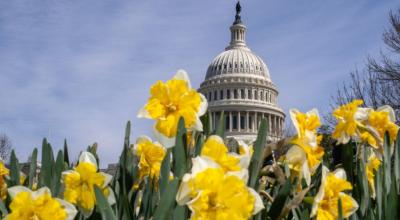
x: 372, y: 166
x: 151, y: 155
x: 333, y: 185
x: 79, y: 184
x: 351, y: 120
x: 212, y: 193
x: 170, y: 101
x: 245, y: 153
x: 305, y: 155
x: 30, y: 205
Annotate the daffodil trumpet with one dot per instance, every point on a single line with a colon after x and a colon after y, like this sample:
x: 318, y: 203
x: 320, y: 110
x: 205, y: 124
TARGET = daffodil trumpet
x: 169, y: 102
x: 28, y: 205
x: 79, y: 184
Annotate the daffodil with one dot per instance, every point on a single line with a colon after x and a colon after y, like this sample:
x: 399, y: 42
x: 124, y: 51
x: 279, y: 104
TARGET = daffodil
x: 333, y: 185
x: 29, y: 205
x: 350, y: 118
x: 305, y: 155
x: 372, y: 166
x: 215, y: 149
x: 79, y: 184
x: 211, y: 193
x: 171, y: 100
x: 151, y: 155
x: 4, y: 172
x: 383, y: 120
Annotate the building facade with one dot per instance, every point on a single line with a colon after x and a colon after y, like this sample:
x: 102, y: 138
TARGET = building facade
x: 238, y: 83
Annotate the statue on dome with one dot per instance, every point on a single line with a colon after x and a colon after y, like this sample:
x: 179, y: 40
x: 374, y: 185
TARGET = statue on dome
x: 237, y: 16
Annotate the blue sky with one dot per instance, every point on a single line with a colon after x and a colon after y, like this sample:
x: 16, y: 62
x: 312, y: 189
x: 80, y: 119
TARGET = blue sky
x: 81, y: 69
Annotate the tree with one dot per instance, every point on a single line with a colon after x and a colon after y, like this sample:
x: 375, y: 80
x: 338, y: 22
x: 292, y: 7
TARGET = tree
x: 5, y: 147
x: 378, y: 83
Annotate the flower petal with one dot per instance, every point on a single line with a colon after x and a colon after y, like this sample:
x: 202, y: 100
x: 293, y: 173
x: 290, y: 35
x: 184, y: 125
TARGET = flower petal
x: 340, y: 173
x: 164, y: 140
x: 201, y: 163
x: 203, y: 105
x: 107, y: 179
x: 69, y: 209
x: 388, y: 109
x: 182, y: 75
x: 258, y: 203
x: 13, y: 191
x: 143, y: 113
x: 111, y: 197
x: 88, y: 157
x: 183, y: 194
x: 321, y: 192
x: 40, y: 192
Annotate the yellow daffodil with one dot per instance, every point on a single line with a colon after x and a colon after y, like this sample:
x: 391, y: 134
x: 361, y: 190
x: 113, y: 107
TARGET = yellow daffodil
x: 371, y: 167
x: 4, y: 172
x: 325, y: 206
x: 215, y: 149
x: 171, y: 100
x: 245, y: 153
x: 210, y: 193
x: 350, y: 118
x: 28, y: 205
x: 79, y: 184
x: 382, y: 120
x: 151, y: 155
x: 305, y: 155
x: 306, y: 125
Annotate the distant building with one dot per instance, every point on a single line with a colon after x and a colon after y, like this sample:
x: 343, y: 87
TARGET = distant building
x: 238, y: 83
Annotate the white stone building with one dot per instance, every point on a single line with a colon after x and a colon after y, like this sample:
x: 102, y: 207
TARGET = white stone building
x: 239, y: 84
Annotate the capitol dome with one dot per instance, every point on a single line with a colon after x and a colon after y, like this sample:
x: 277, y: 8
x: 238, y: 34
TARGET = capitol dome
x: 238, y: 83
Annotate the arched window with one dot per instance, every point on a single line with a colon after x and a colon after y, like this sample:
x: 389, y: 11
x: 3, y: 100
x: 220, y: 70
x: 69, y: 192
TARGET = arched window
x: 235, y: 94
x: 261, y: 96
x: 249, y: 94
x: 255, y: 95
x: 209, y: 96
x: 242, y: 93
x: 228, y: 94
x: 221, y: 94
x: 215, y: 95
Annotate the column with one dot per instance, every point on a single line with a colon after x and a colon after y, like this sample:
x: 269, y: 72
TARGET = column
x: 238, y: 121
x: 255, y: 122
x: 269, y: 124
x: 230, y: 121
x: 247, y: 121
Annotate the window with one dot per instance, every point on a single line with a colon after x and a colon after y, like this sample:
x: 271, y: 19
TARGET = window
x: 235, y: 94
x: 250, y: 122
x: 230, y: 65
x: 241, y: 65
x: 261, y: 96
x: 215, y: 95
x: 224, y: 66
x: 227, y: 122
x: 221, y: 94
x: 234, y: 122
x: 235, y: 65
x: 209, y: 96
x: 255, y: 95
x: 228, y: 94
x: 242, y: 93
x: 249, y: 94
x: 242, y: 122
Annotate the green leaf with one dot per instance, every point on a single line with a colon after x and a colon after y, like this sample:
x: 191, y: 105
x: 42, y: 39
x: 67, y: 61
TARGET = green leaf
x: 165, y: 171
x: 57, y: 170
x: 33, y: 167
x: 220, y: 129
x: 387, y: 163
x: 347, y: 158
x: 257, y: 158
x: 103, y: 206
x: 199, y: 144
x: 280, y: 200
x: 362, y: 185
x: 180, y: 213
x: 379, y: 192
x: 14, y: 169
x: 66, y: 155
x: 340, y: 210
x: 179, y: 151
x: 397, y: 162
x: 47, y: 165
x: 167, y: 201
x: 3, y: 208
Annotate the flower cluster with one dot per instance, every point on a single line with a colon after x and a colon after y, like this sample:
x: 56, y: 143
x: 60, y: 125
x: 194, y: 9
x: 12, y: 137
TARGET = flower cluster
x: 216, y: 186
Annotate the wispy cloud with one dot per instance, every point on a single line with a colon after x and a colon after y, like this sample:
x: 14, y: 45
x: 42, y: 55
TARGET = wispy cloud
x: 80, y: 69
